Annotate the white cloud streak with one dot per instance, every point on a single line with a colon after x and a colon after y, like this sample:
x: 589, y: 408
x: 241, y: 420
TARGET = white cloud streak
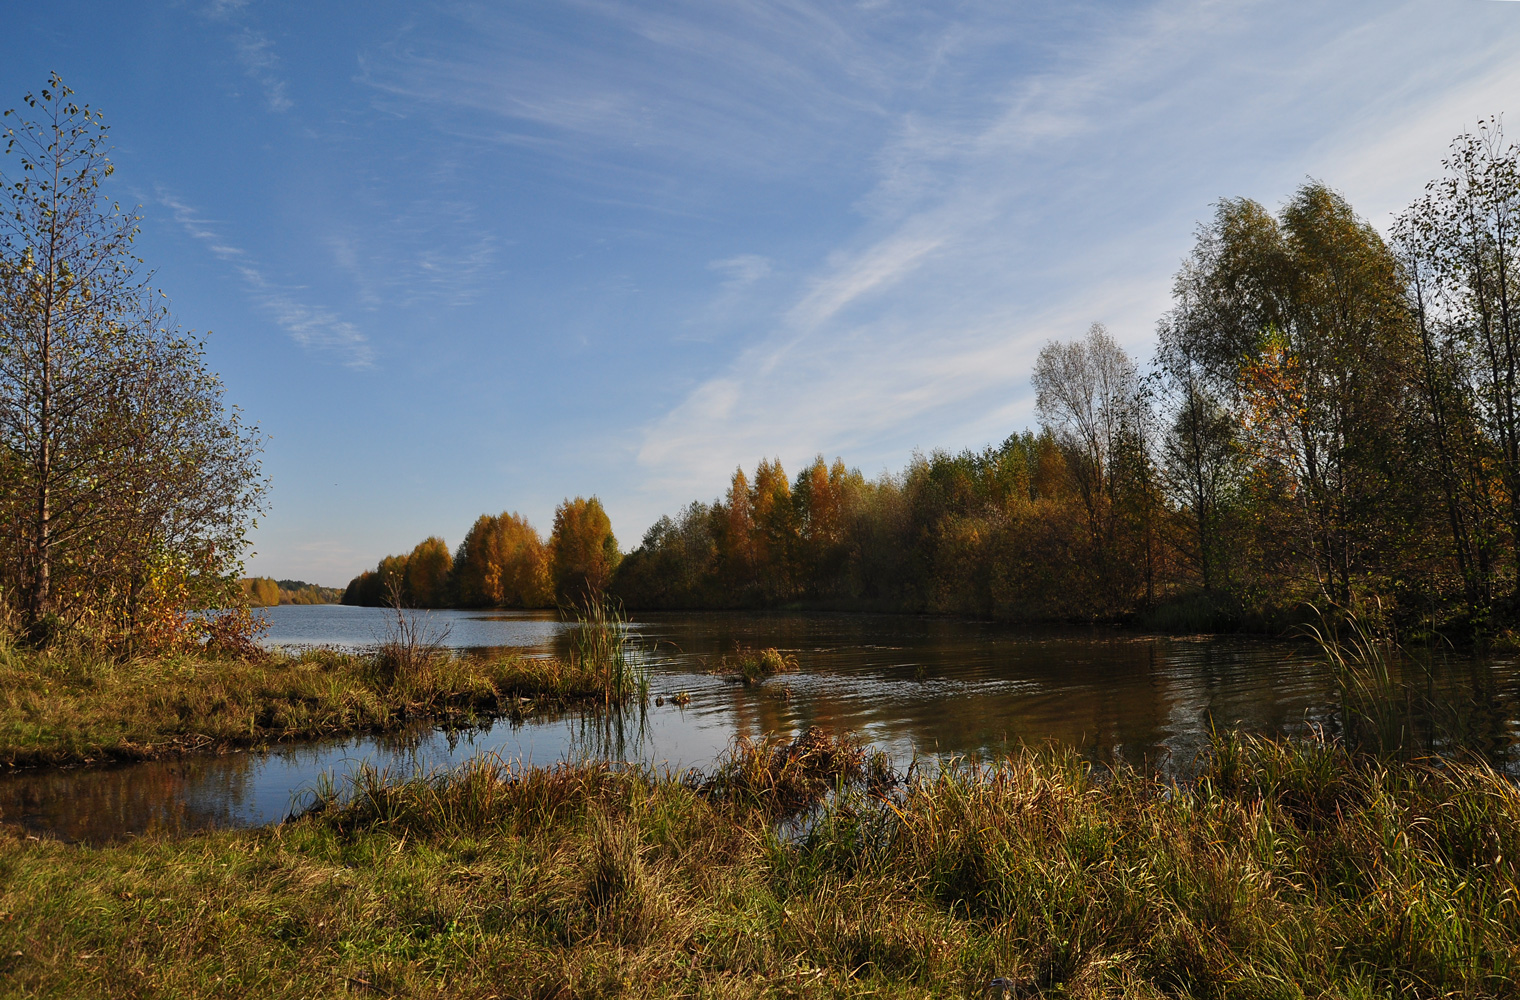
x: 255, y: 53
x: 713, y: 84
x: 741, y: 270
x: 1073, y: 203
x: 315, y: 328
x: 435, y: 251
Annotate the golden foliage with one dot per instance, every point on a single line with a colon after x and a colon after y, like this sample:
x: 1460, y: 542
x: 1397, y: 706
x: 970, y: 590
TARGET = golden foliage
x: 260, y: 591
x: 427, y: 574
x: 583, y: 549
x: 502, y: 563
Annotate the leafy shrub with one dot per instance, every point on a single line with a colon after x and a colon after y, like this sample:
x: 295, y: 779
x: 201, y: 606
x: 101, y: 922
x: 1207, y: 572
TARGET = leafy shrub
x: 234, y: 633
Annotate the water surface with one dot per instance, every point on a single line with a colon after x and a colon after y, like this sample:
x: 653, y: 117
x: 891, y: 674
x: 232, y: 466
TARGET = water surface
x: 915, y: 686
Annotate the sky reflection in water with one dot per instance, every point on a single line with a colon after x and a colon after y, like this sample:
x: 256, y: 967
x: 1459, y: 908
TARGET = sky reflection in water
x: 912, y: 685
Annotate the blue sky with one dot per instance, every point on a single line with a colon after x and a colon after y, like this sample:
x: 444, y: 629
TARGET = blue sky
x: 473, y: 257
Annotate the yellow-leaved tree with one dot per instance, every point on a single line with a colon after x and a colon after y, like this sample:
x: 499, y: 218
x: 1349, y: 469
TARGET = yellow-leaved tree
x: 119, y: 455
x: 503, y: 563
x: 261, y: 591
x: 584, y: 552
x: 427, y: 574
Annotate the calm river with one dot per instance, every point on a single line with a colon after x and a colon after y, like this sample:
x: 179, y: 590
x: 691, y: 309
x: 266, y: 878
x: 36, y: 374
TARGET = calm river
x: 912, y: 685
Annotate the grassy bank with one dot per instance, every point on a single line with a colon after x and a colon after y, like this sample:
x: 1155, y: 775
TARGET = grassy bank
x: 1287, y: 871
x: 72, y: 708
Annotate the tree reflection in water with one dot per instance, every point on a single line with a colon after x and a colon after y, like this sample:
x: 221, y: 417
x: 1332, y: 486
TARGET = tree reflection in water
x: 913, y: 686
x: 98, y: 804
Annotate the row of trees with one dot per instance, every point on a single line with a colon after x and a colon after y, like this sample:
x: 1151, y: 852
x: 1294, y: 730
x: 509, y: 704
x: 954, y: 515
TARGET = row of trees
x: 126, y: 487
x: 1328, y: 416
x: 502, y: 563
x: 263, y: 592
x: 1013, y: 531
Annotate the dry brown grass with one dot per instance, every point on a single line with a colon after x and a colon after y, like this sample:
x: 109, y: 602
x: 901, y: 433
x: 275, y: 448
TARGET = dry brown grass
x: 1288, y: 871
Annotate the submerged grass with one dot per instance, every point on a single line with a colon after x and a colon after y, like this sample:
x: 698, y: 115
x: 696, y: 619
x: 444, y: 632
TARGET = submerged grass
x: 1287, y: 870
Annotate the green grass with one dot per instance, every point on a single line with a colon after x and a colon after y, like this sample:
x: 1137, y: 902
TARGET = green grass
x: 73, y: 708
x: 1288, y: 870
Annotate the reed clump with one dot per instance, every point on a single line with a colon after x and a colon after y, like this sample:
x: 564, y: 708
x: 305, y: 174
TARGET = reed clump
x: 1385, y: 694
x: 782, y: 777
x: 752, y: 666
x: 1288, y: 869
x: 602, y: 649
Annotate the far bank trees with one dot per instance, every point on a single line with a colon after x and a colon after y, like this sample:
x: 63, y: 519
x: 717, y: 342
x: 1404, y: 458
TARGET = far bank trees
x: 502, y: 563
x: 583, y: 551
x: 1330, y: 418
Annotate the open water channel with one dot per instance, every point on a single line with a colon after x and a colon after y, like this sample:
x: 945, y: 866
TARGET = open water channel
x: 915, y: 686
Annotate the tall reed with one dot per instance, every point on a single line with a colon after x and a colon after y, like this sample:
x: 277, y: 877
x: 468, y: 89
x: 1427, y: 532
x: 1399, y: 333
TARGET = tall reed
x: 603, y: 644
x: 412, y: 646
x: 1377, y: 706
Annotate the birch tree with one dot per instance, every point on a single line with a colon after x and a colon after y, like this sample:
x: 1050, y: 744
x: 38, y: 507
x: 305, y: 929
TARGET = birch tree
x: 116, y: 451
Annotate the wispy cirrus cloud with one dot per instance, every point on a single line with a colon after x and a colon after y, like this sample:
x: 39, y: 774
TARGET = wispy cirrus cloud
x: 741, y: 270
x: 316, y: 328
x: 759, y: 87
x: 433, y: 251
x: 254, y: 51
x: 260, y: 62
x: 1072, y: 200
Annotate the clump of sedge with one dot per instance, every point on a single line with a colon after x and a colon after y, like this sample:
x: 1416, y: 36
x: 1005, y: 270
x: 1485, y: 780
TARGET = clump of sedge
x: 752, y: 666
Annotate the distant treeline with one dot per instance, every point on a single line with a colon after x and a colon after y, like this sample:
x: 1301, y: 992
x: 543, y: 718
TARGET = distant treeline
x: 262, y: 592
x: 1329, y: 417
x: 502, y: 563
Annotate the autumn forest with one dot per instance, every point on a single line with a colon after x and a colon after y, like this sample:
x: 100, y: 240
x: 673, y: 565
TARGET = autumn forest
x: 1329, y: 416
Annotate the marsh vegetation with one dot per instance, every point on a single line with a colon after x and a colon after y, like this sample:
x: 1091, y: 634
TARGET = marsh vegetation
x: 71, y: 706
x: 799, y: 869
x: 751, y: 666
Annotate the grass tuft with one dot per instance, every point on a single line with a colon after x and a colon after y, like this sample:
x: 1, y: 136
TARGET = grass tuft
x: 783, y: 778
x: 602, y: 647
x: 752, y: 666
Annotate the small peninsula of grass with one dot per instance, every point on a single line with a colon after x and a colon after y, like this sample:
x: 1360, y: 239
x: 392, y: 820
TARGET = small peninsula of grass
x: 1287, y: 870
x: 74, y: 708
